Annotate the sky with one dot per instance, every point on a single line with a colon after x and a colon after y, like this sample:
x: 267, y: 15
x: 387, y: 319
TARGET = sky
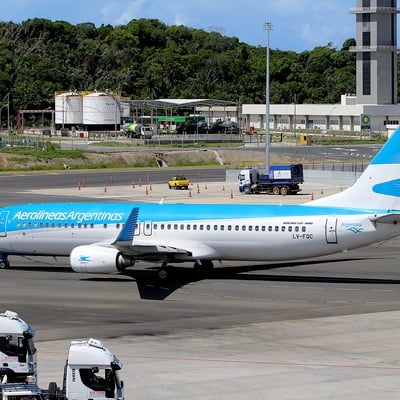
x: 298, y: 25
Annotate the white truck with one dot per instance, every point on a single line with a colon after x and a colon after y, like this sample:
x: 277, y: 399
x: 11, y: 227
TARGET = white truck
x: 91, y: 371
x: 18, y: 355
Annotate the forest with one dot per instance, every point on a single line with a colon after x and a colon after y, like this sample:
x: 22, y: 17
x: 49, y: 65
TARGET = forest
x: 147, y: 59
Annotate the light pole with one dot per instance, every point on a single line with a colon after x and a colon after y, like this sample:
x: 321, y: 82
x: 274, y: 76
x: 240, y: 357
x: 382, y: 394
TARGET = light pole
x: 268, y: 28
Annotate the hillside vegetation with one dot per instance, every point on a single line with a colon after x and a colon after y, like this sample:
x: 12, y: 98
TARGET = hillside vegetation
x: 149, y: 59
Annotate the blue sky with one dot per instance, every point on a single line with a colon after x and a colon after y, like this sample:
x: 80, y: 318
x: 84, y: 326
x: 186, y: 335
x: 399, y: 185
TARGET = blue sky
x: 298, y: 25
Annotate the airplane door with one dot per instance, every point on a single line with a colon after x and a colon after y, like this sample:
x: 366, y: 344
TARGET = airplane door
x: 147, y: 228
x: 331, y: 230
x: 3, y: 223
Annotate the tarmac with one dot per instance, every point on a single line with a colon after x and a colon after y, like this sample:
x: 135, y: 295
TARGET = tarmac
x: 344, y: 357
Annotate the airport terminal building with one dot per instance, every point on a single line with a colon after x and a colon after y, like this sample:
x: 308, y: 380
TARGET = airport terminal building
x: 374, y: 106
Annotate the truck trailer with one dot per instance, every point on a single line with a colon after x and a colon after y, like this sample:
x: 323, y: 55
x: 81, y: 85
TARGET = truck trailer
x: 281, y: 179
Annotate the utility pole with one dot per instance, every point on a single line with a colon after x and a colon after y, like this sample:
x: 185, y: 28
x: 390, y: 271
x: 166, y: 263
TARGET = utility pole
x: 268, y: 28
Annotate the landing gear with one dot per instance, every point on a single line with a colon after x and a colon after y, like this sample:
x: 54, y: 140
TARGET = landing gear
x: 163, y: 271
x: 4, y: 263
x: 203, y: 266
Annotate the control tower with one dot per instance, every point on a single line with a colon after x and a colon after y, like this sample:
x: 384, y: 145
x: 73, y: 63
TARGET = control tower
x: 376, y: 26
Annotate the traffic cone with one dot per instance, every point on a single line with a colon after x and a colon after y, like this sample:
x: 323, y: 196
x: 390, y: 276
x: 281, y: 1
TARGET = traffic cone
x: 223, y: 188
x: 79, y: 186
x: 312, y: 196
x: 133, y: 184
x: 105, y: 188
x: 199, y: 175
x: 111, y: 179
x: 147, y: 191
x: 231, y: 194
x: 198, y: 189
x: 190, y: 192
x: 151, y: 188
x: 205, y: 187
x: 140, y: 183
x: 84, y: 184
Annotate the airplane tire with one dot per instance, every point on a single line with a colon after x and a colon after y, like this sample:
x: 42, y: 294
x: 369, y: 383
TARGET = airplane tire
x: 204, y: 267
x: 163, y: 274
x: 247, y: 190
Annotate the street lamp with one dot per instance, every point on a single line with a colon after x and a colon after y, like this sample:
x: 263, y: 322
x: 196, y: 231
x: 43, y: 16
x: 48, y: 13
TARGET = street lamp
x: 268, y: 28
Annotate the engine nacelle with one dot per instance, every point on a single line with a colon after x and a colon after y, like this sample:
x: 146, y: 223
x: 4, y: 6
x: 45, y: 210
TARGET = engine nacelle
x: 95, y: 259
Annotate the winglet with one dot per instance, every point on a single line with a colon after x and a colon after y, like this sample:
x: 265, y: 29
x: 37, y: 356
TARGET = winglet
x: 128, y: 231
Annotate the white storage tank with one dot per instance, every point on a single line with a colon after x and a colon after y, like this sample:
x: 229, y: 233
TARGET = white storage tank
x: 125, y: 109
x: 101, y: 111
x: 68, y: 109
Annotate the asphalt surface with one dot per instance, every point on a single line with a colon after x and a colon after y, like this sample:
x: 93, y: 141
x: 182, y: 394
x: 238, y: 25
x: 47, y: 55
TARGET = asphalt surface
x: 322, y: 328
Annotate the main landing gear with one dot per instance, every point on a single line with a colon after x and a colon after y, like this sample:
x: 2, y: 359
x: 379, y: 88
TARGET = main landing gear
x: 4, y: 263
x: 201, y: 267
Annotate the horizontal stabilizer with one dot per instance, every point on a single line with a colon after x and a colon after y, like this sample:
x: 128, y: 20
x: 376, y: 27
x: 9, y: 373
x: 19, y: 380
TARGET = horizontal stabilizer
x: 388, y: 219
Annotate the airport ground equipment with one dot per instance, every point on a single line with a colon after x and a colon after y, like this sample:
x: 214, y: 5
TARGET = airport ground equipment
x: 280, y: 180
x: 18, y: 355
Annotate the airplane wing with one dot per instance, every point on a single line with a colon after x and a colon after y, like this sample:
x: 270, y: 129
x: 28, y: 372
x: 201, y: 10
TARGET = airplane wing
x: 150, y: 248
x: 179, y: 249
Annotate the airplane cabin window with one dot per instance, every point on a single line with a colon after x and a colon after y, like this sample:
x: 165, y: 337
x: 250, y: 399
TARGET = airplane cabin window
x: 208, y: 227
x: 215, y: 227
x: 201, y: 227
x: 256, y: 228
x: 168, y: 226
x: 175, y: 226
x: 276, y: 228
x: 162, y: 226
x: 270, y: 228
x: 250, y: 228
x: 236, y: 227
x: 303, y: 229
x: 243, y: 227
x: 229, y: 227
x: 188, y: 227
x: 296, y: 228
x: 263, y: 228
x: 182, y: 227
x: 283, y: 228
x: 290, y: 228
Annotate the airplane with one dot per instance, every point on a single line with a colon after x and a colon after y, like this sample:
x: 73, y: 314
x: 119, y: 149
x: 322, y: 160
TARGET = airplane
x: 110, y: 237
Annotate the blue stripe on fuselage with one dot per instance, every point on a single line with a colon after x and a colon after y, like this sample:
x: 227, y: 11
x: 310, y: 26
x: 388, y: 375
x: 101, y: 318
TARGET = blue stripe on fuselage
x: 31, y: 216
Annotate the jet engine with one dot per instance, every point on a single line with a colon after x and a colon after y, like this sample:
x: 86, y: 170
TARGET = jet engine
x: 97, y: 259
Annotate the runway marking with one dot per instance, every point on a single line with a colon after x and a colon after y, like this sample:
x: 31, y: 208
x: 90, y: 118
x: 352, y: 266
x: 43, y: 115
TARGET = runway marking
x: 255, y: 362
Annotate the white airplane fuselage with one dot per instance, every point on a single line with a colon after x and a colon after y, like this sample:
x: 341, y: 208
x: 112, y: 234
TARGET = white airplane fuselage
x: 264, y: 238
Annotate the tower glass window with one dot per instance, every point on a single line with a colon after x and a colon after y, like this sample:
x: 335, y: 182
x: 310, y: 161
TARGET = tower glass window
x: 366, y: 74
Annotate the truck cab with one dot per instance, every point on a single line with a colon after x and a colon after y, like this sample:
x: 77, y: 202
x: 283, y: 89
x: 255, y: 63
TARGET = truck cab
x: 18, y: 355
x: 91, y: 371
